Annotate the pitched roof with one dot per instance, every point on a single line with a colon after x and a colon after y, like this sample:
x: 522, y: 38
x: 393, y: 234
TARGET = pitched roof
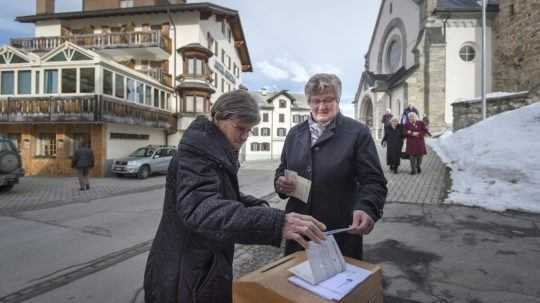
x: 204, y: 8
x: 264, y: 99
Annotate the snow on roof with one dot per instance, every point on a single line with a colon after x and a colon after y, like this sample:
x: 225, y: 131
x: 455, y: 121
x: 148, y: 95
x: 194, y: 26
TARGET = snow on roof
x: 495, y: 163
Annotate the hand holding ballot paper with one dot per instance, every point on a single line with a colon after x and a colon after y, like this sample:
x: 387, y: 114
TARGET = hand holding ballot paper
x: 294, y: 185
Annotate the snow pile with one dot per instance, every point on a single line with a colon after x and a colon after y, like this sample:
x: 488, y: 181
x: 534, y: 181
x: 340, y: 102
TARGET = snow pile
x: 495, y: 163
x: 494, y: 95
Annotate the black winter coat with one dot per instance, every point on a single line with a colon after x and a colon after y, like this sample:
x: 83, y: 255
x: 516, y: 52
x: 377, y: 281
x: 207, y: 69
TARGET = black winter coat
x: 204, y: 215
x: 83, y: 158
x: 346, y: 175
x: 393, y: 137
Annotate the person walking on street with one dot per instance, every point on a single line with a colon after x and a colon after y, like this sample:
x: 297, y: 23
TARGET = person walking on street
x: 405, y: 116
x: 83, y: 161
x: 393, y: 140
x: 415, y: 131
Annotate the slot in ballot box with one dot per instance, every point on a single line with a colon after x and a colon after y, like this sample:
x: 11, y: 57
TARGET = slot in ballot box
x: 270, y: 284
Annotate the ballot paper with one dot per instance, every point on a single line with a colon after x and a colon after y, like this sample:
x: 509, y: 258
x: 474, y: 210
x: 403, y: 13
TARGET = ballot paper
x: 303, y: 186
x: 338, y: 286
x: 323, y: 261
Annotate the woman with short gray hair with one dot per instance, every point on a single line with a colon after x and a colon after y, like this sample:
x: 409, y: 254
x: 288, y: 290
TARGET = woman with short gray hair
x: 205, y: 214
x: 338, y: 155
x: 415, y: 131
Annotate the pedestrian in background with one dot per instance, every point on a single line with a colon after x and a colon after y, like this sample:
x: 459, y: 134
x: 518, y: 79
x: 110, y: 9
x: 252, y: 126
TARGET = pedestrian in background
x: 415, y: 131
x: 83, y: 161
x: 386, y: 117
x: 405, y: 116
x: 338, y: 155
x: 393, y: 140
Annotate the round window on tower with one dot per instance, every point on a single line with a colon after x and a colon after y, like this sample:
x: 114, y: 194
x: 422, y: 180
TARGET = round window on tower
x: 467, y: 53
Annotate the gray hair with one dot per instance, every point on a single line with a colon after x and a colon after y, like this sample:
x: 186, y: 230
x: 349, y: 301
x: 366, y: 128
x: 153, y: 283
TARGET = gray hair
x: 318, y: 83
x: 237, y: 104
x: 411, y: 114
x: 394, y: 119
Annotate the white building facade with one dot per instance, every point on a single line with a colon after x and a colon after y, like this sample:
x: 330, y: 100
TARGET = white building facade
x: 118, y: 74
x: 280, y: 111
x: 426, y: 53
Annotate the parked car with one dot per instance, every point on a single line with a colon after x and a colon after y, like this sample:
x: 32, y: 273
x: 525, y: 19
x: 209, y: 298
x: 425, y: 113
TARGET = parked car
x: 10, y: 165
x: 144, y: 161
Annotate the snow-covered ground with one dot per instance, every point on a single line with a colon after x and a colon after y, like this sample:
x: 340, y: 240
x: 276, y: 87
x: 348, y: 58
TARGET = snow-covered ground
x: 495, y: 163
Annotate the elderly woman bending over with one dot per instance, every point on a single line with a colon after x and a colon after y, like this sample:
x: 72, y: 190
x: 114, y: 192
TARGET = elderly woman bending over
x: 205, y: 214
x: 338, y: 155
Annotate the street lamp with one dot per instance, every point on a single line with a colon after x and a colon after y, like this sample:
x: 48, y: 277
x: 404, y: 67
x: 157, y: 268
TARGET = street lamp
x: 484, y: 65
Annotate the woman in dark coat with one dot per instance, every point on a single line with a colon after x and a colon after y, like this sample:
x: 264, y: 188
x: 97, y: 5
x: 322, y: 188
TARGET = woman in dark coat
x: 415, y: 131
x: 339, y: 156
x: 393, y: 140
x: 205, y: 214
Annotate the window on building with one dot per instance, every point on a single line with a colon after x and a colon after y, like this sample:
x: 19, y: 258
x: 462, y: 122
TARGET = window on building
x: 69, y: 80
x: 60, y: 57
x: 265, y: 147
x: 107, y: 82
x: 223, y: 56
x: 305, y: 117
x: 255, y: 131
x: 394, y: 55
x: 281, y: 118
x: 156, y: 97
x: 228, y: 87
x: 126, y: 3
x: 195, y: 67
x: 148, y: 95
x: 223, y: 27
x: 168, y: 102
x: 216, y: 49
x: 199, y: 104
x: 229, y: 62
x: 391, y: 8
x: 140, y: 93
x: 46, y: 145
x: 119, y: 89
x: 8, y: 83
x: 222, y: 85
x: 255, y: 146
x: 162, y: 99
x: 229, y: 35
x: 210, y: 41
x: 216, y: 79
x: 281, y: 132
x: 50, y: 81
x: 24, y: 82
x: 36, y: 83
x: 282, y: 103
x: 189, y: 106
x: 87, y: 82
x: 467, y: 53
x: 265, y: 131
x: 265, y: 117
x: 130, y: 88
x: 296, y: 118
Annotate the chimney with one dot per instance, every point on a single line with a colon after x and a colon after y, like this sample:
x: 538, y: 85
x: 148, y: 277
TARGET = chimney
x: 44, y: 7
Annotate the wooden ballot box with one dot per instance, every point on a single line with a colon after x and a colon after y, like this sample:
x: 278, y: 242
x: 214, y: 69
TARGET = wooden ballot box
x: 270, y: 284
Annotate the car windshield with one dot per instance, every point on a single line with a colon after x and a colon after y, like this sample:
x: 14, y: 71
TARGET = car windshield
x: 143, y: 152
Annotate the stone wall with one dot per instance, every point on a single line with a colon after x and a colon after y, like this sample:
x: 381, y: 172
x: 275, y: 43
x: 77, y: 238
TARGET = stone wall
x: 467, y: 113
x: 517, y: 46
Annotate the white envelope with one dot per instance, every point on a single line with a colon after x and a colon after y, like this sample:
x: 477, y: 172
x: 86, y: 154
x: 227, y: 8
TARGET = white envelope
x: 303, y: 186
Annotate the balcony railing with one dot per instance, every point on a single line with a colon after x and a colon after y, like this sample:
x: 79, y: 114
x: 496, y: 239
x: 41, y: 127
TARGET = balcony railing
x: 158, y: 74
x: 143, y: 39
x: 82, y: 109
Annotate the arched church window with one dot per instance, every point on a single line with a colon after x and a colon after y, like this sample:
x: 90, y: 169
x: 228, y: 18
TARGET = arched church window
x: 467, y: 53
x: 394, y: 55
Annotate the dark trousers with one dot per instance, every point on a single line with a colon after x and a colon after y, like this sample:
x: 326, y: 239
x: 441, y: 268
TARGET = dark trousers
x: 83, y: 177
x: 416, y: 163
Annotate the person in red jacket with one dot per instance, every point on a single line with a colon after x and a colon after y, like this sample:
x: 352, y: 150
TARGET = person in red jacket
x: 414, y: 132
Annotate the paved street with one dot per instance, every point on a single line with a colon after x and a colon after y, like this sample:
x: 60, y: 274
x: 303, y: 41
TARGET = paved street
x: 59, y: 245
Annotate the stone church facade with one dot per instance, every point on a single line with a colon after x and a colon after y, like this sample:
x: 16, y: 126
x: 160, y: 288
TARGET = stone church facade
x: 428, y: 53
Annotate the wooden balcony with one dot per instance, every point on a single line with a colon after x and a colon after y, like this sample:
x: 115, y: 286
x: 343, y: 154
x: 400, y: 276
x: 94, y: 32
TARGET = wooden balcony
x: 81, y: 109
x: 158, y: 74
x: 143, y: 44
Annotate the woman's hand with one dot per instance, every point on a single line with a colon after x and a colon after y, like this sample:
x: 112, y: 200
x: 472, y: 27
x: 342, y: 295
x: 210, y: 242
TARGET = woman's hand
x: 298, y: 226
x: 285, y: 185
x: 362, y: 223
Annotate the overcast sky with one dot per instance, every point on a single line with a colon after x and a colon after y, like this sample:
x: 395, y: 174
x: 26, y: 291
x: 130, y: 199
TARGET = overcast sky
x: 288, y: 40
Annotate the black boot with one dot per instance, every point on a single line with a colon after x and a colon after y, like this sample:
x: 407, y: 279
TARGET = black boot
x: 418, y: 169
x: 87, y: 186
